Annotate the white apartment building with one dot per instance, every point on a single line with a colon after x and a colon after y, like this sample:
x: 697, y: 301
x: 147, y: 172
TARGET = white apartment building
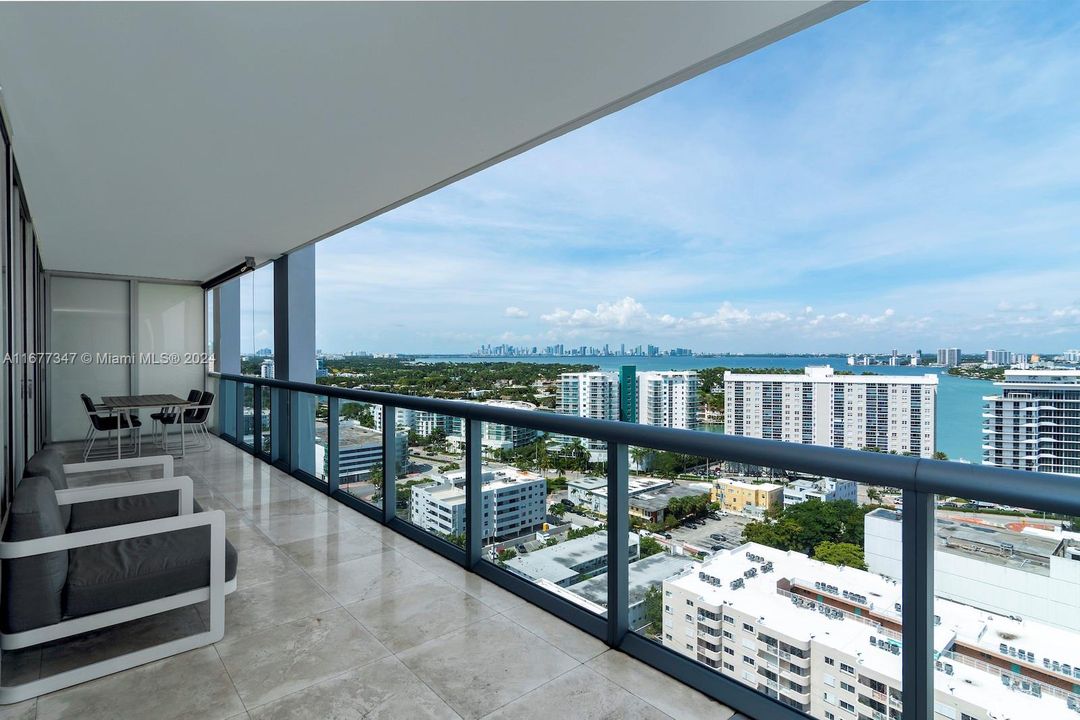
x: 668, y: 399
x: 949, y: 357
x: 591, y: 395
x: 824, y: 489
x: 826, y: 640
x: 1034, y: 422
x: 819, y: 407
x: 514, y: 503
x: 998, y: 357
x: 1033, y: 574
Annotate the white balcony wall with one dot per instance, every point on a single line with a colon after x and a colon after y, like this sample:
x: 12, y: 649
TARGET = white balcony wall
x: 85, y: 316
x: 91, y: 318
x: 171, y: 319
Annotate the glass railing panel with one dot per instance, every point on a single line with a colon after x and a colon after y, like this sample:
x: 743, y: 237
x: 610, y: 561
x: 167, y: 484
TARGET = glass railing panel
x: 761, y: 576
x: 1007, y: 610
x: 312, y: 413
x: 534, y: 526
x: 430, y: 490
x: 267, y: 409
x: 360, y: 451
x: 247, y: 421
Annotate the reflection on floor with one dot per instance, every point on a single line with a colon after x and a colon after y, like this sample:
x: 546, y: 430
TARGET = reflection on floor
x: 337, y: 617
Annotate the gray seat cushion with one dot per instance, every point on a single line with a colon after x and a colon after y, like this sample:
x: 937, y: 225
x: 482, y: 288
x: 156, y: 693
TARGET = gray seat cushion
x: 48, y: 463
x: 126, y: 572
x: 31, y: 587
x: 121, y: 511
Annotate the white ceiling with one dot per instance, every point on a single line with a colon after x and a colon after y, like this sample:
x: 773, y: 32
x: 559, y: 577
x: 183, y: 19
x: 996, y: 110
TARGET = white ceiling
x: 171, y: 140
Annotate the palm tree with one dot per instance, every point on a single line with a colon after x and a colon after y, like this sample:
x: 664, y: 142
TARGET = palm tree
x: 639, y: 455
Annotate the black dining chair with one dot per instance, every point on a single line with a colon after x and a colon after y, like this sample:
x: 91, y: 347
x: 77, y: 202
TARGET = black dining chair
x: 167, y: 416
x: 194, y: 417
x: 103, y: 423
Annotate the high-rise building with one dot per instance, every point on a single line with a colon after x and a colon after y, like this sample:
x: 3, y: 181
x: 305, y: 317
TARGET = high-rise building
x: 514, y: 503
x: 893, y: 413
x: 826, y: 640
x: 1032, y: 423
x: 1072, y: 356
x: 668, y: 399
x: 949, y: 357
x: 998, y: 357
x: 320, y: 367
x: 266, y: 369
x: 590, y: 395
x: 628, y: 393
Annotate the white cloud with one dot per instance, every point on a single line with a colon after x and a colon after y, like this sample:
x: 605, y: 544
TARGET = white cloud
x: 515, y: 312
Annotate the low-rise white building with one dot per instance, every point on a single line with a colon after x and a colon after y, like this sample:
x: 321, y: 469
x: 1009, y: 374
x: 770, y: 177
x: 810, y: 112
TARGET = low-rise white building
x: 514, y: 503
x: 591, y: 492
x: 824, y: 489
x: 570, y: 561
x: 359, y: 451
x: 826, y: 640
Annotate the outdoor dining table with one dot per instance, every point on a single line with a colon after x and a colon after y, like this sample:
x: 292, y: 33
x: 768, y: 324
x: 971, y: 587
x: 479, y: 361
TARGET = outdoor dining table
x: 122, y: 405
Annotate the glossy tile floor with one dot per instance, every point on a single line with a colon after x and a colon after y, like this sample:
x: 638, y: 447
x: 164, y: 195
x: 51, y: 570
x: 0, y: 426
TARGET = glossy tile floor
x: 337, y: 617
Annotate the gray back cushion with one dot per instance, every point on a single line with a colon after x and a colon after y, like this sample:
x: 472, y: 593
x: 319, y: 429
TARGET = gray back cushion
x: 48, y: 463
x: 32, y: 588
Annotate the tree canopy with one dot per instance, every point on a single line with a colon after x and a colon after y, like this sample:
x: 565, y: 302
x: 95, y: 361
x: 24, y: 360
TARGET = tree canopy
x: 804, y: 526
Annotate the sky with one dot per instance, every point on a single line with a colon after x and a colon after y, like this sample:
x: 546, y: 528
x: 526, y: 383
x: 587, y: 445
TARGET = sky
x: 904, y: 175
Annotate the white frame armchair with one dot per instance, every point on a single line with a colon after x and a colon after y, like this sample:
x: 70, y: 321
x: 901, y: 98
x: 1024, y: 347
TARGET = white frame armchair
x: 215, y: 591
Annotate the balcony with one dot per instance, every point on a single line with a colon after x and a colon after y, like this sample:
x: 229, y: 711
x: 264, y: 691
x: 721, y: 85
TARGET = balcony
x: 333, y: 610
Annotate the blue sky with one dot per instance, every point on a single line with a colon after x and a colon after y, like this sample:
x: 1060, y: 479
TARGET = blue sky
x: 903, y: 175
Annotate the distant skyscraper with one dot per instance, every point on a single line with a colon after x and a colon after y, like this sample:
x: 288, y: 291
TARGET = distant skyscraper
x: 886, y: 412
x: 1031, y: 424
x: 998, y: 357
x: 949, y: 357
x: 266, y: 369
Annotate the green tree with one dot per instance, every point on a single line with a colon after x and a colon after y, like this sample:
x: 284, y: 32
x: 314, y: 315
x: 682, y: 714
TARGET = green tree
x: 507, y: 554
x: 845, y: 554
x: 804, y: 526
x: 649, y: 546
x: 558, y: 510
x: 654, y: 610
x: 939, y: 455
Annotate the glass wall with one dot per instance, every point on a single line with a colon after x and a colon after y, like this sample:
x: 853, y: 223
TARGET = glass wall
x: 257, y: 322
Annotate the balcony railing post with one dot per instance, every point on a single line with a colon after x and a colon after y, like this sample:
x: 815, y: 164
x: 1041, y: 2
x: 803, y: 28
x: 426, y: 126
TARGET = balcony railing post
x: 918, y: 604
x: 256, y: 420
x: 333, y: 468
x: 474, y: 494
x: 618, y: 552
x: 390, y: 462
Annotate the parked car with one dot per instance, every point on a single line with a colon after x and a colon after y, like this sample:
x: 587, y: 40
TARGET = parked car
x: 717, y: 536
x: 667, y: 536
x: 567, y: 503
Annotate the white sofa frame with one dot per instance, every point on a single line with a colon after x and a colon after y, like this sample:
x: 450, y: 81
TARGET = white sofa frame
x: 214, y: 592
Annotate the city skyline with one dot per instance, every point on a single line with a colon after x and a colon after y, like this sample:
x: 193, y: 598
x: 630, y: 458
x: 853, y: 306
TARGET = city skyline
x: 884, y: 195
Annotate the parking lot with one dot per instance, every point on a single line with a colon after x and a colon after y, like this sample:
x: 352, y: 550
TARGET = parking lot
x: 730, y: 526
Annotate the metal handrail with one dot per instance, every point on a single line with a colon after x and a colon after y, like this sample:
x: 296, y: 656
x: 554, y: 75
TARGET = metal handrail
x: 1043, y: 491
